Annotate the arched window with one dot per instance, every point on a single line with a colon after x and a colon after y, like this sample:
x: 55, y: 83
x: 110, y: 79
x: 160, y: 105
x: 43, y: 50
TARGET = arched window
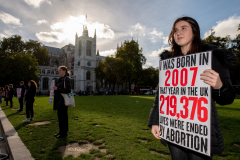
x: 88, y: 75
x: 72, y: 83
x: 45, y: 83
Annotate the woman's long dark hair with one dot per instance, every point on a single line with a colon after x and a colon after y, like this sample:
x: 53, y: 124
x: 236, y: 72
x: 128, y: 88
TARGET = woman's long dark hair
x: 196, y: 43
x: 64, y: 68
x: 33, y: 85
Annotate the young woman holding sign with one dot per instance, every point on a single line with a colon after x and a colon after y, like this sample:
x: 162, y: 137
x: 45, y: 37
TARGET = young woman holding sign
x: 59, y: 100
x: 185, y: 39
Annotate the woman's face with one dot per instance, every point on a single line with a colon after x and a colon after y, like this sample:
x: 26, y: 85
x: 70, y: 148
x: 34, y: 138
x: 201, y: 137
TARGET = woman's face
x: 183, y: 34
x: 29, y: 84
x: 61, y: 72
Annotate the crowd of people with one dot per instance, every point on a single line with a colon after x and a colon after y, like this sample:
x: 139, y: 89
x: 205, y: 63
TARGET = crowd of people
x: 25, y: 95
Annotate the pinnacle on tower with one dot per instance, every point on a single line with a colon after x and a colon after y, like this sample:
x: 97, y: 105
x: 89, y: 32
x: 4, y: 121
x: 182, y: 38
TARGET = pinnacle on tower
x: 97, y: 52
x: 86, y: 22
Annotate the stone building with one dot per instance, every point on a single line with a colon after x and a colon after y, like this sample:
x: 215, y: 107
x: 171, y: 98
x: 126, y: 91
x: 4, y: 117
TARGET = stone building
x: 81, y: 60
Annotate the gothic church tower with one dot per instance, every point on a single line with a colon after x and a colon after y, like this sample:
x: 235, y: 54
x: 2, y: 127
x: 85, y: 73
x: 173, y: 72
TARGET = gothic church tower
x: 85, y: 62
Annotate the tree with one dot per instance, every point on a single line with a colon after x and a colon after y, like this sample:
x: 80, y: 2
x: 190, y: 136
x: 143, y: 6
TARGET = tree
x: 113, y: 70
x: 131, y: 53
x: 15, y: 44
x: 232, y: 45
x: 220, y: 42
x: 149, y: 77
x: 16, y: 67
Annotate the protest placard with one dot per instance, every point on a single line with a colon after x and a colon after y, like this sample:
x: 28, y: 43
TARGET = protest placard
x: 51, y: 92
x: 19, y: 91
x: 185, y: 102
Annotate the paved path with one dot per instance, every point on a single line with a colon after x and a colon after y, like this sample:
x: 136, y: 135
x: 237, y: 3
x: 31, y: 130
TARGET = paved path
x: 12, y: 144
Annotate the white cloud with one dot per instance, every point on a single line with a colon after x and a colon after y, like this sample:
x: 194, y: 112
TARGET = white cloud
x: 103, y: 30
x: 50, y: 37
x: 67, y: 29
x: 37, y: 3
x: 157, y: 52
x: 155, y: 35
x: 226, y: 27
x: 110, y: 52
x: 3, y: 35
x: 139, y: 29
x: 165, y: 40
x: 41, y: 22
x: 9, y: 19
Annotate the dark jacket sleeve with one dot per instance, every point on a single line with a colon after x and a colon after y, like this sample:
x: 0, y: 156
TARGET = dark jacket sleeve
x: 226, y: 94
x: 23, y: 91
x: 67, y: 88
x: 154, y: 115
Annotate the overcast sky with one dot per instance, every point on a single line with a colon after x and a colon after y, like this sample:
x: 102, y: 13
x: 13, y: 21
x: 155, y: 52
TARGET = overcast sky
x: 56, y: 22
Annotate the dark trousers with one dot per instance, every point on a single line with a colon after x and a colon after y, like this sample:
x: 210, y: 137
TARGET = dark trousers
x: 6, y: 99
x: 11, y: 103
x: 29, y: 109
x: 21, y: 103
x: 62, y: 113
x: 180, y: 153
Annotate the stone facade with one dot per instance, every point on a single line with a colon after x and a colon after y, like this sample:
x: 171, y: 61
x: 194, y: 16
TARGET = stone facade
x: 81, y: 60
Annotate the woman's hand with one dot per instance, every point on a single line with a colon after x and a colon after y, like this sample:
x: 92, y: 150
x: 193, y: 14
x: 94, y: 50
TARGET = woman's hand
x: 55, y: 87
x: 212, y: 78
x: 155, y: 130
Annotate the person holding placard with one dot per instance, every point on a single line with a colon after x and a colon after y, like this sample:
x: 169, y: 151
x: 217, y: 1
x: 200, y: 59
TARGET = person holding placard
x: 185, y: 40
x: 63, y: 86
x: 29, y: 99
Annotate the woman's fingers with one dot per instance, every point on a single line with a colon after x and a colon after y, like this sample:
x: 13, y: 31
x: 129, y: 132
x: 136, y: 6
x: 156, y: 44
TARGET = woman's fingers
x: 155, y: 130
x: 212, y: 78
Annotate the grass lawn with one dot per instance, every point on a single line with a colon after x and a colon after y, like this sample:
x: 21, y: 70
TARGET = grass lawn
x: 122, y: 131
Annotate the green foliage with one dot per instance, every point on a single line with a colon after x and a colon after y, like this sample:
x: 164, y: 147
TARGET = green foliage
x: 16, y: 67
x: 113, y: 70
x: 130, y: 52
x: 15, y: 44
x: 149, y: 77
x: 232, y: 45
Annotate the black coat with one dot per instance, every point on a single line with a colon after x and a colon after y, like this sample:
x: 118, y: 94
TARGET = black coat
x: 58, y: 98
x: 29, y: 97
x: 11, y: 93
x: 222, y: 59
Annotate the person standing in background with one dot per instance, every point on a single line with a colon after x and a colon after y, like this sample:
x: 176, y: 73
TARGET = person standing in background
x: 1, y: 94
x: 29, y: 98
x: 6, y: 96
x: 10, y: 94
x: 22, y: 96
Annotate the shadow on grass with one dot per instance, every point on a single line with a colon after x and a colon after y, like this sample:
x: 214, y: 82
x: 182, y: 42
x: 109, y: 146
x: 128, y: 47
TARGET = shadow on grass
x: 224, y: 108
x: 55, y: 153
